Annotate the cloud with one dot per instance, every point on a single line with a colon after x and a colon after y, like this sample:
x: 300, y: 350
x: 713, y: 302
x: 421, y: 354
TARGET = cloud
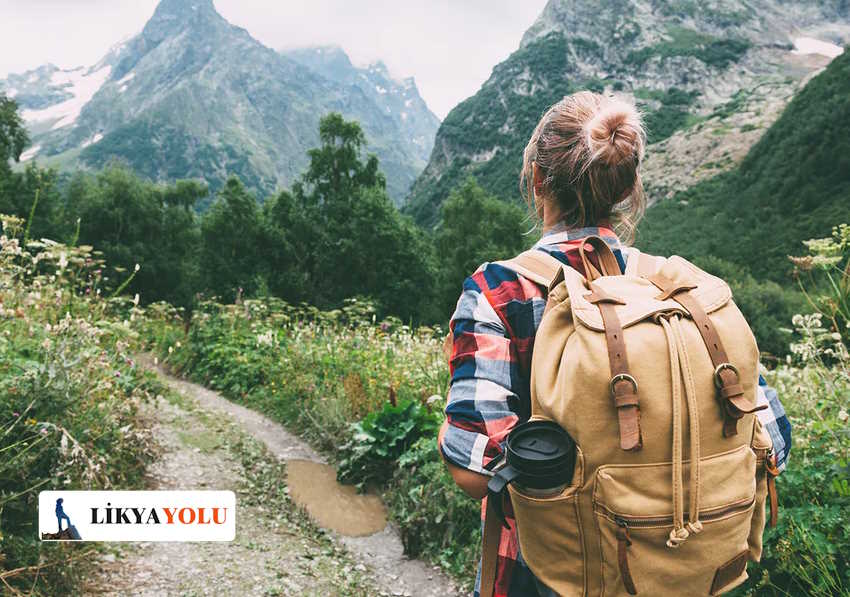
x: 450, y: 47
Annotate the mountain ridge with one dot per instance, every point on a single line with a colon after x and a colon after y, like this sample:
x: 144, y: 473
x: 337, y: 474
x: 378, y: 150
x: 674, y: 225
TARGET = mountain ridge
x: 193, y: 96
x: 684, y: 62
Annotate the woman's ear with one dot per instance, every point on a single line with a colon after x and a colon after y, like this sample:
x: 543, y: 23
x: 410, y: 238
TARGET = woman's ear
x: 538, y: 176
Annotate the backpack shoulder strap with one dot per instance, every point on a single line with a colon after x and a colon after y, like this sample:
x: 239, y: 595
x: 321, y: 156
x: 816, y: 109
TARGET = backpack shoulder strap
x: 538, y: 266
x: 642, y: 264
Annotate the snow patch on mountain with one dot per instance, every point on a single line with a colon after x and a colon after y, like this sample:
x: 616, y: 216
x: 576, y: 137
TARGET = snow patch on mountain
x: 83, y: 85
x: 94, y: 139
x: 30, y: 153
x: 810, y: 45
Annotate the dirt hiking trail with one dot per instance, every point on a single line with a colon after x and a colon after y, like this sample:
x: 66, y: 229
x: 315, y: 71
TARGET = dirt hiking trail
x: 208, y: 442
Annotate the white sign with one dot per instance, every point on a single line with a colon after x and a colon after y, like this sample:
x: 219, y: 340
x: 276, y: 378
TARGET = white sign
x: 137, y: 515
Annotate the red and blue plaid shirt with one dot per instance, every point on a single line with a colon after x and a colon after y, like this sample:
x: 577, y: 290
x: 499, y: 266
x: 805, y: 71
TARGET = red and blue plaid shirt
x: 494, y: 326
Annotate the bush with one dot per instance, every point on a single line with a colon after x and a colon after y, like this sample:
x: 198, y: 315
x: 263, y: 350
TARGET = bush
x: 438, y: 520
x: 70, y: 395
x: 380, y: 438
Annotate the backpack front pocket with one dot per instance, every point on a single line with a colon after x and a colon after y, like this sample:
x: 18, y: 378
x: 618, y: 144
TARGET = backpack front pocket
x: 550, y: 539
x: 550, y: 535
x: 632, y: 504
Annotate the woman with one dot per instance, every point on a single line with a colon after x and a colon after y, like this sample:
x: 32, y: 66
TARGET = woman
x: 581, y: 177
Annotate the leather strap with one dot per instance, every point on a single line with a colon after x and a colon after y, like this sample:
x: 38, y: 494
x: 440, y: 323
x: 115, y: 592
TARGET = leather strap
x: 490, y: 550
x: 538, y: 266
x: 623, y: 384
x: 608, y: 264
x: 623, y: 542
x: 730, y: 391
x: 772, y: 473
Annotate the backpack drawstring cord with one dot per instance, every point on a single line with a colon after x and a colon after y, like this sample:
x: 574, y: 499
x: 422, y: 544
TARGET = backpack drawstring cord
x: 680, y: 370
x: 694, y: 525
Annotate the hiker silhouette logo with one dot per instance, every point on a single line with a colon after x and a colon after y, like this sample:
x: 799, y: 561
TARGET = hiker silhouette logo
x: 70, y: 532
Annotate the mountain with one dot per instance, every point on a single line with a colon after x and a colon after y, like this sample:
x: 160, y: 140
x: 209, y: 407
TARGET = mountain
x: 710, y: 77
x: 793, y: 184
x: 398, y: 101
x: 193, y: 96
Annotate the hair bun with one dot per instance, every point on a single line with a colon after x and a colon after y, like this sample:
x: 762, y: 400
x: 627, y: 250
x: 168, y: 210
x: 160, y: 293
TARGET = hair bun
x: 614, y: 134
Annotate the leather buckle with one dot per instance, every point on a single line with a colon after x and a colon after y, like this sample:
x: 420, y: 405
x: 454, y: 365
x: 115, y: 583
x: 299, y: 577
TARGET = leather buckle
x: 623, y: 377
x: 718, y: 381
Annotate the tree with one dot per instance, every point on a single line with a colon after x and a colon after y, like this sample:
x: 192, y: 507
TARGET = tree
x: 32, y: 194
x: 284, y: 230
x: 476, y: 227
x: 133, y: 221
x: 232, y: 255
x: 338, y: 235
x: 13, y: 133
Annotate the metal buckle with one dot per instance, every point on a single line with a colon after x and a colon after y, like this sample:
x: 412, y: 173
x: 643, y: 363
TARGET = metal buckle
x: 718, y: 381
x: 621, y: 377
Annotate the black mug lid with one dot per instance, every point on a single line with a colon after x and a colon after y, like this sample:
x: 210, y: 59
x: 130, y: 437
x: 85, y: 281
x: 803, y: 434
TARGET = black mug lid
x: 542, y: 453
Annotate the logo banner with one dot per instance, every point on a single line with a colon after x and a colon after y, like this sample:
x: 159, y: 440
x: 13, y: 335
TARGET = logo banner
x: 137, y: 515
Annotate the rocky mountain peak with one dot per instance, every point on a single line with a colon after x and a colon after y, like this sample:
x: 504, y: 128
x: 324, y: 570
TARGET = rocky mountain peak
x: 174, y: 16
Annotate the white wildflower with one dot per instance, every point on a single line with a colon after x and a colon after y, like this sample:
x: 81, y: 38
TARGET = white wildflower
x: 136, y: 300
x: 266, y: 338
x: 136, y: 268
x: 843, y: 415
x: 63, y: 260
x: 434, y: 399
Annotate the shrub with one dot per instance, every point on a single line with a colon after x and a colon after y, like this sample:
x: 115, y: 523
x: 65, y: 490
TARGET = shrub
x: 70, y: 395
x: 380, y: 438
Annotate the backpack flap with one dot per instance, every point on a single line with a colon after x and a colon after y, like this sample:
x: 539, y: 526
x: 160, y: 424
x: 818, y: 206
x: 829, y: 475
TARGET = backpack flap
x: 640, y: 298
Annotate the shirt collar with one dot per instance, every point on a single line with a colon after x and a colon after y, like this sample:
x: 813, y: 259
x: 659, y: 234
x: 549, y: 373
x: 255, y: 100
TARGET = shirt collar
x: 561, y: 234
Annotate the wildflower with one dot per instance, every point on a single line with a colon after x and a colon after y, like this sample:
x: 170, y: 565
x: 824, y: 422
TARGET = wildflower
x: 843, y: 415
x: 135, y: 269
x: 63, y: 260
x: 433, y: 399
x: 170, y: 349
x: 16, y: 414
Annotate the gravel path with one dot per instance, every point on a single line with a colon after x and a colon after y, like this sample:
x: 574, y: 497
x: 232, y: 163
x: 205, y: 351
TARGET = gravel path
x: 204, y: 439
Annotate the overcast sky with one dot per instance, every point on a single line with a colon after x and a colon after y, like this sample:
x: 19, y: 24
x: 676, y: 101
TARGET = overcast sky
x: 450, y: 46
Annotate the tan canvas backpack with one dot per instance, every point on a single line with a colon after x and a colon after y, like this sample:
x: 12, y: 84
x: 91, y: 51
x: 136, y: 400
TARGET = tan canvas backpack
x: 654, y: 375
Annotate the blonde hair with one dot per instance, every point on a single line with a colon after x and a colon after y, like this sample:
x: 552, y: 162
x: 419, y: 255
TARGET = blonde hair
x: 589, y: 148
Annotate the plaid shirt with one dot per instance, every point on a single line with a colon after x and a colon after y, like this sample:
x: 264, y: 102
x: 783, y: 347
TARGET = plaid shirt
x: 494, y: 326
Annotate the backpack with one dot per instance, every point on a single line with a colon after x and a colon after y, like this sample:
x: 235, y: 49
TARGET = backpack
x: 654, y: 374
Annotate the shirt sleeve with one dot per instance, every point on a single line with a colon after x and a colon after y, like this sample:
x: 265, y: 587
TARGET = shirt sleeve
x: 482, y: 364
x: 775, y: 421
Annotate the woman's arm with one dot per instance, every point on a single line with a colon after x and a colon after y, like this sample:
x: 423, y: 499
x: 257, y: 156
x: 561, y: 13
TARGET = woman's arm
x: 474, y: 484
x: 479, y: 413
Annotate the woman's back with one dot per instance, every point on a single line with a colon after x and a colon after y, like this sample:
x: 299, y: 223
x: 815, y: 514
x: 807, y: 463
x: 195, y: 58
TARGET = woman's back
x: 584, y: 149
